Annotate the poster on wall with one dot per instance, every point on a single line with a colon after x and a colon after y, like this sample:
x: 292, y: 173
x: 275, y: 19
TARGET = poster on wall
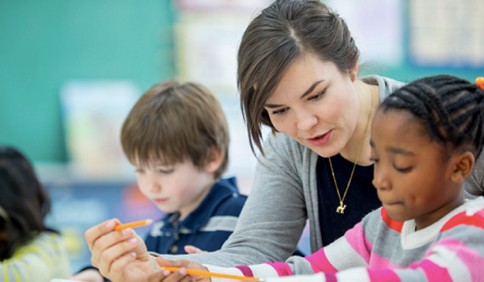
x: 206, y: 43
x: 246, y: 6
x: 446, y: 33
x: 93, y: 112
x: 376, y: 26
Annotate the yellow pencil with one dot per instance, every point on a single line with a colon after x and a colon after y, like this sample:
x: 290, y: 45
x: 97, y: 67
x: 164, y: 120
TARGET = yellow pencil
x: 196, y: 272
x: 133, y: 224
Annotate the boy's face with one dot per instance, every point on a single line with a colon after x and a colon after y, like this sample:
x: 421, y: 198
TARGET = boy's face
x: 180, y: 187
x: 412, y: 178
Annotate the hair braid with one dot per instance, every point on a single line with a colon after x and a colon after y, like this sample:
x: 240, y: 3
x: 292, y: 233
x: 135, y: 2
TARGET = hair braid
x: 451, y: 109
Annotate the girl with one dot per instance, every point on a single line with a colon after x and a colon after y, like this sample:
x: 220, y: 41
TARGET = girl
x: 29, y: 250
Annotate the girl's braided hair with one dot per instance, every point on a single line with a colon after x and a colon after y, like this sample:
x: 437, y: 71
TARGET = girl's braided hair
x: 451, y: 109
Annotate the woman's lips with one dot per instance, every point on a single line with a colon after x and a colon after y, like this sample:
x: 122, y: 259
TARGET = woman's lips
x: 321, y: 140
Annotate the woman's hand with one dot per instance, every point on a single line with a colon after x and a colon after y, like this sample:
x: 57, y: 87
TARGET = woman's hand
x: 193, y: 250
x: 119, y: 255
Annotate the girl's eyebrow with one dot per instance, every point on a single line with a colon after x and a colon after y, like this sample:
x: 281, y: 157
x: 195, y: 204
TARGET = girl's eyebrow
x: 400, y: 151
x: 395, y: 150
x: 307, y: 92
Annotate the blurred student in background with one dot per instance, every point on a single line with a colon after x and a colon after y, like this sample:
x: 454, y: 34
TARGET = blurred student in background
x: 177, y: 138
x: 29, y: 250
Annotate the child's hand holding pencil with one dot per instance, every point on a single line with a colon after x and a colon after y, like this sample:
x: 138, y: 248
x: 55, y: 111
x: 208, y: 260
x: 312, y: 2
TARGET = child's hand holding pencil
x: 197, y: 270
x: 133, y: 224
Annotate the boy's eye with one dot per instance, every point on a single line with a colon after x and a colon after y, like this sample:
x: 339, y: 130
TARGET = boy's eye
x: 139, y: 170
x: 165, y: 170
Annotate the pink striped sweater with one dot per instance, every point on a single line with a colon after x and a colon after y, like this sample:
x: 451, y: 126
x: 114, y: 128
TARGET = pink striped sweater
x: 381, y: 249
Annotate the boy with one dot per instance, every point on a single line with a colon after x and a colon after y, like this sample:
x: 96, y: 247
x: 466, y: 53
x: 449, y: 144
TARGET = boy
x: 176, y: 136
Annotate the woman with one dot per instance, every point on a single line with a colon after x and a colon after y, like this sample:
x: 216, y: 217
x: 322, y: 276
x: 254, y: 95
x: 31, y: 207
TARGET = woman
x: 297, y: 73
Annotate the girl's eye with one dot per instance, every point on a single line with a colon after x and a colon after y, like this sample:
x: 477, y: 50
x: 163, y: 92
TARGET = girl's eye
x: 402, y: 169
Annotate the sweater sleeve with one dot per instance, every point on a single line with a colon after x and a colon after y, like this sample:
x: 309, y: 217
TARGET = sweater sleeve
x: 349, y: 251
x: 456, y: 255
x: 274, y: 216
x: 475, y: 183
x: 41, y: 260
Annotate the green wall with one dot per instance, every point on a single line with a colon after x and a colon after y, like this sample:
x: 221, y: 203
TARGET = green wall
x: 43, y: 44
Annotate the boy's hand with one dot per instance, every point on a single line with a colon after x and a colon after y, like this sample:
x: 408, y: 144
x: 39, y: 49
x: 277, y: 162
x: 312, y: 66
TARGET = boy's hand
x: 119, y: 255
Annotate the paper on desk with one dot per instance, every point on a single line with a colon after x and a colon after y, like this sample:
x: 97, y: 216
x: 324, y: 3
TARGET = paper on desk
x: 298, y: 278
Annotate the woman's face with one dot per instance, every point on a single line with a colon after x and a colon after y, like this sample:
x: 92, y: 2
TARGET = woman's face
x: 316, y: 104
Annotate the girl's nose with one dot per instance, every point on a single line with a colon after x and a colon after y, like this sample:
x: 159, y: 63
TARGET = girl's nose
x: 380, y: 181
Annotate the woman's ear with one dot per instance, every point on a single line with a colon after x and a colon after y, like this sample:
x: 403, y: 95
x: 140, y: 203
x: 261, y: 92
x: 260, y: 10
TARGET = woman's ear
x: 215, y: 159
x: 354, y: 72
x: 464, y: 164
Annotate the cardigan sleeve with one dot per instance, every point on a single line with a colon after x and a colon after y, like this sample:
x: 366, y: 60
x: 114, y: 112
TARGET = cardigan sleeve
x: 457, y: 254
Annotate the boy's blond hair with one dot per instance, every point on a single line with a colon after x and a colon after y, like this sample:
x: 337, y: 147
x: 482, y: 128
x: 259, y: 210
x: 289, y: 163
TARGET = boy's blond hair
x: 173, y: 122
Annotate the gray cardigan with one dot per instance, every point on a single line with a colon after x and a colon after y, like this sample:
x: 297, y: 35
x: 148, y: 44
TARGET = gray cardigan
x: 283, y: 198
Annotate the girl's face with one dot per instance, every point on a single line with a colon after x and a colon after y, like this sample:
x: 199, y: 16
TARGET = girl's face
x: 411, y: 175
x: 173, y: 188
x: 315, y: 104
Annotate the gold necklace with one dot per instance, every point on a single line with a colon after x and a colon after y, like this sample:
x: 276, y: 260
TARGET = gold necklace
x: 341, y: 208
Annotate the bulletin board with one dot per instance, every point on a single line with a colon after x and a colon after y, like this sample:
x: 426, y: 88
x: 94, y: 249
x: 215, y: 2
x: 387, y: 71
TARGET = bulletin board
x: 45, y: 44
x: 446, y: 33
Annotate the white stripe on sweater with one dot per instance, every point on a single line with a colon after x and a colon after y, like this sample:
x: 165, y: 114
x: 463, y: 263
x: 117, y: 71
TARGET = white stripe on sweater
x: 221, y: 223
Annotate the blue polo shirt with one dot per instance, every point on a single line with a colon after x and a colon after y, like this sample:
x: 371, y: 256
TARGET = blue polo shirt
x: 207, y: 227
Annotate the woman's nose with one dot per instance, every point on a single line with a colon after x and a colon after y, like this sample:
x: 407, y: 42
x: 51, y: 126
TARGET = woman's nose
x: 306, y: 120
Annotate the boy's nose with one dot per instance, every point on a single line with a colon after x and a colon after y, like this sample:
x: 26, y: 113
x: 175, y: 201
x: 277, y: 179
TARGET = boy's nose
x: 155, y: 186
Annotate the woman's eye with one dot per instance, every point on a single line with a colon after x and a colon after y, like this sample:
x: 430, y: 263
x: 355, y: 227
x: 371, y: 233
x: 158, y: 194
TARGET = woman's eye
x: 279, y: 111
x: 317, y: 96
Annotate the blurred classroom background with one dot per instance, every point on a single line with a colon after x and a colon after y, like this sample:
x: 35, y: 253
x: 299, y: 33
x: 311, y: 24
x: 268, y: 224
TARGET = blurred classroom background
x: 71, y: 70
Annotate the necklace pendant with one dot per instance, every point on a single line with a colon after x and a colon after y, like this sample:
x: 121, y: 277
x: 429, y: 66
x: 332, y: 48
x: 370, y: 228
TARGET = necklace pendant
x: 341, y: 208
